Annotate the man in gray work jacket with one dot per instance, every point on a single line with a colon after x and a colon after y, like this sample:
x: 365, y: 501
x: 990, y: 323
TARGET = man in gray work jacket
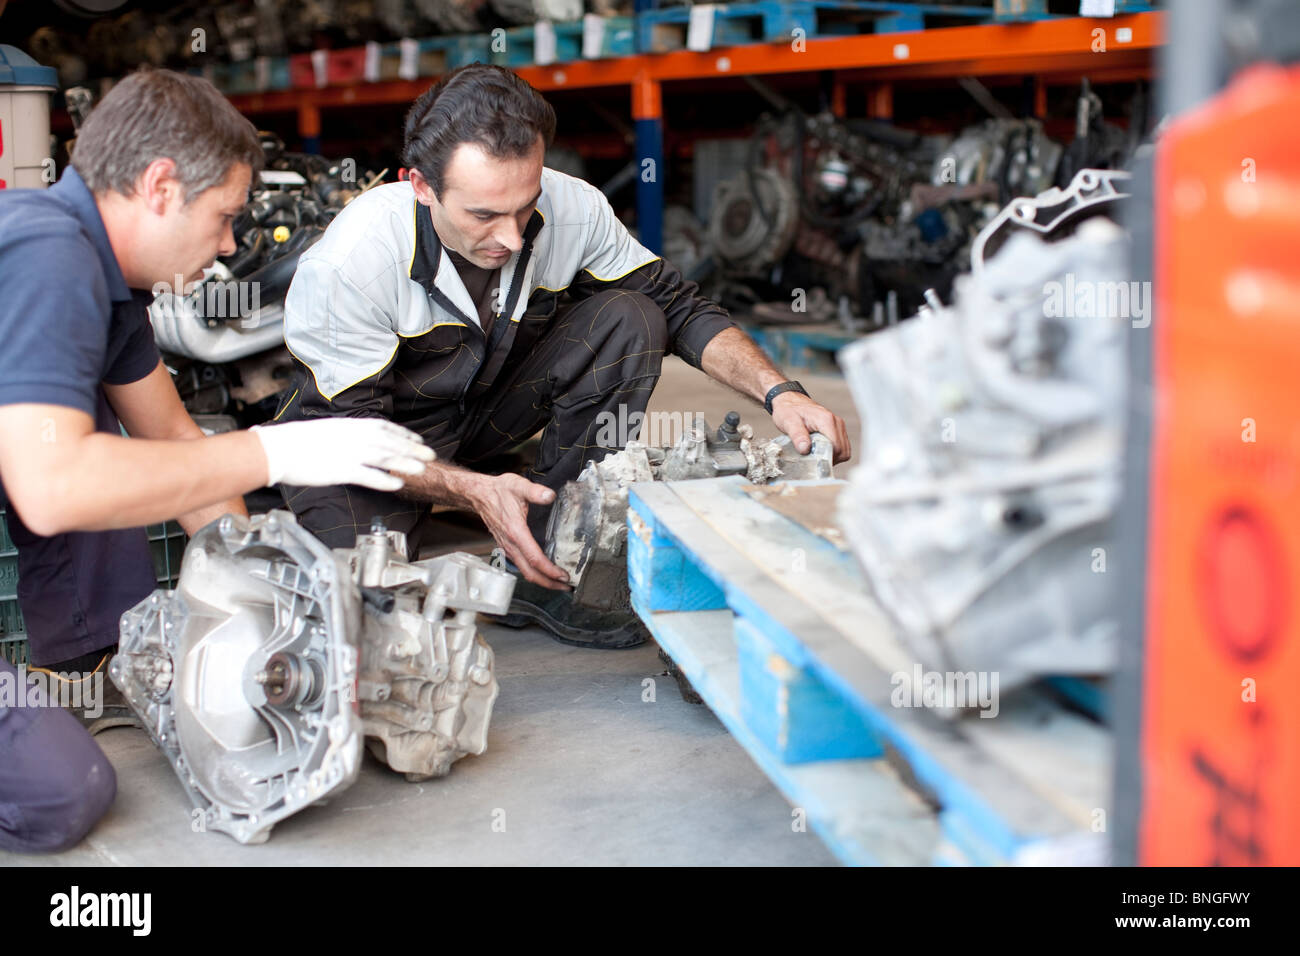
x: 488, y: 298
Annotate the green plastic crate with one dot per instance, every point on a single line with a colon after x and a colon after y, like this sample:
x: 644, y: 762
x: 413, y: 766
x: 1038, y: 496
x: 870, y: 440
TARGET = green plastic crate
x: 166, y: 541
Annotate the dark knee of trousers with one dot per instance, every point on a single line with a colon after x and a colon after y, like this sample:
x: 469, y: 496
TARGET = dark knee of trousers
x: 640, y: 323
x: 337, y: 515
x: 90, y: 786
x: 56, y: 783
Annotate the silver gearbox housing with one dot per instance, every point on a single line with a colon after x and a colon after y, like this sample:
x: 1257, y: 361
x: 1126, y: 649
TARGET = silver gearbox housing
x: 260, y: 674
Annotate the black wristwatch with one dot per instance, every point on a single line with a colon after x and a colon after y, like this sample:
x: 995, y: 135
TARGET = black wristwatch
x: 778, y: 389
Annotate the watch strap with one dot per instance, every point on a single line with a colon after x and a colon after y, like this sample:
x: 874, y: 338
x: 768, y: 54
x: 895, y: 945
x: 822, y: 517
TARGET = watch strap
x: 779, y: 389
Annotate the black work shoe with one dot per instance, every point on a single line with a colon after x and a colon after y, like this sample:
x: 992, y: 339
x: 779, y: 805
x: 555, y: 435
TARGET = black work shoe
x: 571, y: 623
x: 116, y: 712
x: 108, y: 705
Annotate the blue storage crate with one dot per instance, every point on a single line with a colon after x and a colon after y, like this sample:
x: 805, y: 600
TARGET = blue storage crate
x: 521, y: 45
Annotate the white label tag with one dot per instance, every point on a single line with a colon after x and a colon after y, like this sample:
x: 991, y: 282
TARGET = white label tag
x: 699, y: 33
x: 320, y: 66
x: 408, y: 65
x: 262, y: 72
x: 372, y: 62
x: 1096, y: 8
x: 543, y: 43
x: 282, y: 177
x: 593, y: 35
x: 1123, y: 34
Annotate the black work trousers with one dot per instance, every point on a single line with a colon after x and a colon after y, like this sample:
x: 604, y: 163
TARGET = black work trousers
x: 596, y: 355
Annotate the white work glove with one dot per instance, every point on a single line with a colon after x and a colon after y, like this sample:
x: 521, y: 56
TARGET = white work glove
x: 342, y: 451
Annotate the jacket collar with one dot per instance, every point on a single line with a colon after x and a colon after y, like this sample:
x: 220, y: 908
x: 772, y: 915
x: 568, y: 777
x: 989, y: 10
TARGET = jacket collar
x: 427, y: 258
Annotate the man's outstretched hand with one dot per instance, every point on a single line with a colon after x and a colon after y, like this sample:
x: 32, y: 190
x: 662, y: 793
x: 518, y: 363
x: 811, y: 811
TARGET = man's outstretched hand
x: 798, y: 415
x: 502, y: 502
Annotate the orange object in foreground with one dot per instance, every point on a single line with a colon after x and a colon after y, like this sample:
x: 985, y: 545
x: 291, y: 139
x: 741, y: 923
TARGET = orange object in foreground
x: 1221, y: 712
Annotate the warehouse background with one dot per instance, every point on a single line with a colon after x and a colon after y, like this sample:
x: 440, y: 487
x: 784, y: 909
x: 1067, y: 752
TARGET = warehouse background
x: 823, y: 169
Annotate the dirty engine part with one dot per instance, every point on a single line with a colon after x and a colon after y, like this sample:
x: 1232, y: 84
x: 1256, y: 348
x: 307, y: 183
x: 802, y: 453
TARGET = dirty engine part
x: 587, y: 531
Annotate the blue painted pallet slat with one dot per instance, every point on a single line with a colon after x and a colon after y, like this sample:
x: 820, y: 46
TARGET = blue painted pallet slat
x: 804, y: 691
x: 279, y: 74
x: 461, y: 49
x: 521, y: 45
x: 1015, y: 11
x: 1028, y: 11
x: 774, y: 20
x: 619, y: 37
x: 796, y: 716
x: 859, y: 808
x: 901, y: 22
x: 666, y: 580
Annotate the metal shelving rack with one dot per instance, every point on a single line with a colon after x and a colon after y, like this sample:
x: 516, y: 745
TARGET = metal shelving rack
x: 1052, y: 51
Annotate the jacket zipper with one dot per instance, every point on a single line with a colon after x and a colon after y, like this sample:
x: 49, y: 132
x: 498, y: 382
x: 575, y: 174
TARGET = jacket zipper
x: 498, y: 324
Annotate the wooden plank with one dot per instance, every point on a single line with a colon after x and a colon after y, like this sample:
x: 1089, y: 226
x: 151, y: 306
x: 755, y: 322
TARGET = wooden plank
x: 667, y: 578
x: 811, y: 506
x: 1064, y: 758
x: 1003, y: 783
x: 796, y: 579
x: 798, y: 718
x: 860, y: 808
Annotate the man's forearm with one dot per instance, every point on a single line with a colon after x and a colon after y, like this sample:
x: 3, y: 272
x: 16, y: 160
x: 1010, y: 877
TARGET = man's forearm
x: 446, y: 484
x: 151, y: 408
x: 734, y: 359
x: 116, y: 482
x: 195, y: 520
x: 201, y: 517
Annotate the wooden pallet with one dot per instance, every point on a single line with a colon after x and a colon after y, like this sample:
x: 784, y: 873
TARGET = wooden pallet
x: 614, y: 37
x: 775, y: 628
x: 774, y: 21
x: 1025, y: 11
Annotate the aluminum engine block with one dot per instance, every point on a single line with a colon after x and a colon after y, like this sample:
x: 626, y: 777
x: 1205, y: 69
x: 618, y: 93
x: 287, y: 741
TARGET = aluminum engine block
x: 259, y: 675
x: 991, y: 467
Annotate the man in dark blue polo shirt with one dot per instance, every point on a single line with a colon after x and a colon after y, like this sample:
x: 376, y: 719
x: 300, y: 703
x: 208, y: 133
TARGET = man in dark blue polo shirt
x: 160, y: 169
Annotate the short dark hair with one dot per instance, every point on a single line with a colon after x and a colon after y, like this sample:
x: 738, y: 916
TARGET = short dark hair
x: 482, y: 104
x: 155, y: 114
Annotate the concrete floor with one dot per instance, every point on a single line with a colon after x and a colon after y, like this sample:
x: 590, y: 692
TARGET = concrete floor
x: 579, y: 767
